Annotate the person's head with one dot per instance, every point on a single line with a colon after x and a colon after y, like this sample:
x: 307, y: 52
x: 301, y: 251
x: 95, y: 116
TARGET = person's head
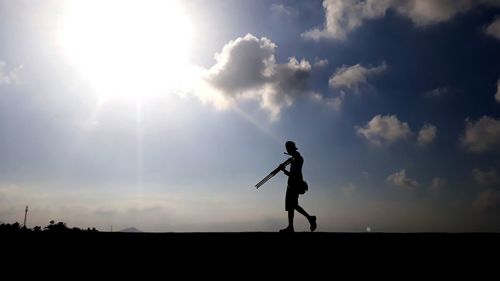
x: 290, y: 147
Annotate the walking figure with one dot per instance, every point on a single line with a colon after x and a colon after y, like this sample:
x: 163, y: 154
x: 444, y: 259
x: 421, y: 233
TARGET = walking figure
x: 295, y: 182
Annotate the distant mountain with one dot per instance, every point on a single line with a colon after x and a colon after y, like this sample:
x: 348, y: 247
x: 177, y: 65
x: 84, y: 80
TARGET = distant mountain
x: 130, y: 229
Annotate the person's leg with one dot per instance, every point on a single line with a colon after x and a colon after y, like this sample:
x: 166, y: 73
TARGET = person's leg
x: 290, y: 203
x: 302, y: 211
x: 290, y: 218
x: 311, y: 219
x: 289, y: 228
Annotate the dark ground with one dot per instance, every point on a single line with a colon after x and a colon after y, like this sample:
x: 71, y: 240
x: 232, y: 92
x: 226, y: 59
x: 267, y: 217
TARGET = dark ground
x: 304, y: 253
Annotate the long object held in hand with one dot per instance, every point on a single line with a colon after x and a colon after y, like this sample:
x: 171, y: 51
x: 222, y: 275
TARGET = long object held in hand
x: 273, y: 173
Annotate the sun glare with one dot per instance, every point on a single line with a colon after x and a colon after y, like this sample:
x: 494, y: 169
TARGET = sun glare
x: 128, y: 48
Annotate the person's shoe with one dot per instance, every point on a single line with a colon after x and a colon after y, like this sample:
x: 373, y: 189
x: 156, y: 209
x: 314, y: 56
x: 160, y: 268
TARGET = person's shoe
x: 312, y: 221
x: 287, y: 230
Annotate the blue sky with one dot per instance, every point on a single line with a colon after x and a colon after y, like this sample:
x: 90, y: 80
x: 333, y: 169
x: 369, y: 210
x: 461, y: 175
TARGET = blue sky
x: 162, y: 115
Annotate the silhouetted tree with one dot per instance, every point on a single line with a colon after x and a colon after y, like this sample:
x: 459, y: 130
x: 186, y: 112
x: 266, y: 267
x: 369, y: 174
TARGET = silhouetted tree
x: 53, y: 226
x: 6, y: 227
x: 60, y: 226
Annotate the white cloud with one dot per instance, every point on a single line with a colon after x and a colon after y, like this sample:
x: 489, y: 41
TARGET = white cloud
x: 482, y: 135
x: 438, y: 92
x: 426, y: 12
x: 344, y: 16
x: 427, y: 134
x: 384, y: 130
x: 246, y: 68
x: 497, y: 95
x: 334, y: 103
x: 400, y: 179
x: 494, y: 29
x: 281, y: 9
x: 352, y: 77
x: 9, y: 76
x: 243, y: 64
x: 320, y: 63
x: 488, y: 177
x: 438, y: 183
x: 349, y: 77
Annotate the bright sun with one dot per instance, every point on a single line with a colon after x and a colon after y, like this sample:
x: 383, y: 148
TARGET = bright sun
x: 128, y: 48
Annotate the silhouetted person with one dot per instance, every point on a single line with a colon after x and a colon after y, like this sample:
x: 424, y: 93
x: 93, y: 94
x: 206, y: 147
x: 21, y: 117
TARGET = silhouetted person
x: 292, y: 194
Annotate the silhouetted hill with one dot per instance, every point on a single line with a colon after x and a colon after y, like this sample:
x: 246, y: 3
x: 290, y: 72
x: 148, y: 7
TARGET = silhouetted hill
x: 130, y: 229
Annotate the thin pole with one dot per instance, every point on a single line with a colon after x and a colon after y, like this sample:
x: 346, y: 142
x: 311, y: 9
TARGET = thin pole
x: 25, y: 215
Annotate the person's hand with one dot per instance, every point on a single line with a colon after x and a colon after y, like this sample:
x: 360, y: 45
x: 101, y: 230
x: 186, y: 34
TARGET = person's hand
x: 282, y: 167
